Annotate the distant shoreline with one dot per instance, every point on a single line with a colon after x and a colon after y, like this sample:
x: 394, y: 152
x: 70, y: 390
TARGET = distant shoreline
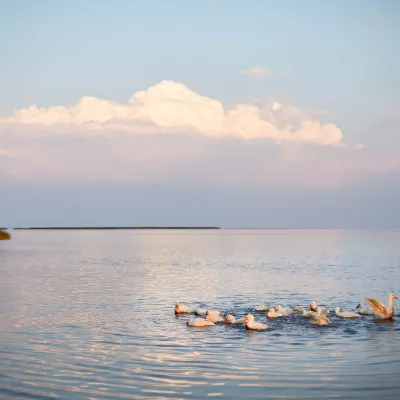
x: 189, y: 228
x: 117, y: 227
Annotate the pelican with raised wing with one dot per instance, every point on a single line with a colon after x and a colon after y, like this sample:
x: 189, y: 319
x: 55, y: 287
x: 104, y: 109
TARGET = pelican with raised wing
x: 379, y: 308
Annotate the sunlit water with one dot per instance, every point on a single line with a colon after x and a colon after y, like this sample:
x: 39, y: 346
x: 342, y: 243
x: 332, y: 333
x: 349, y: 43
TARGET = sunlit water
x: 89, y: 314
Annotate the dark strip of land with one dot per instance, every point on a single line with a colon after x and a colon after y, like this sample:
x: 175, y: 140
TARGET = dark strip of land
x: 116, y: 227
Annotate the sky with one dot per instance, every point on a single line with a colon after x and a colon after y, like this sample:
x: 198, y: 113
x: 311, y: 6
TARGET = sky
x: 229, y: 113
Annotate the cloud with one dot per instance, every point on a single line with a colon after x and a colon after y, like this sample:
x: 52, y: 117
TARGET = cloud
x: 257, y: 72
x: 50, y: 154
x: 5, y: 153
x: 171, y: 108
x: 57, y: 153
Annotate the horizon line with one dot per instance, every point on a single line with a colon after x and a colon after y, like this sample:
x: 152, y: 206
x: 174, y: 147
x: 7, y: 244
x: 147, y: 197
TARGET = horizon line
x: 189, y: 228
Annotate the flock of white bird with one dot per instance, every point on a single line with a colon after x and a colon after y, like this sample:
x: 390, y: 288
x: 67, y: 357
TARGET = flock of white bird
x: 318, y: 314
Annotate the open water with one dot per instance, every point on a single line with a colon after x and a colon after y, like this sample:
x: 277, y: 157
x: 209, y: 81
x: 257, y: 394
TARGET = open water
x: 89, y: 314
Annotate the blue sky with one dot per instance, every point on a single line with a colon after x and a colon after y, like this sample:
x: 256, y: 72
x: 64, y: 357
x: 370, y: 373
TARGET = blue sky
x: 328, y: 62
x: 341, y: 55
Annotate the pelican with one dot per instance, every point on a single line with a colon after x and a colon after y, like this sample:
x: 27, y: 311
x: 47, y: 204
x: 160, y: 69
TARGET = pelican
x: 348, y: 314
x: 284, y: 310
x: 321, y: 320
x: 214, y: 312
x: 273, y: 314
x: 230, y: 319
x: 181, y: 308
x: 199, y: 322
x: 318, y: 314
x: 255, y: 326
x: 305, y: 313
x: 261, y: 308
x: 379, y: 308
x: 313, y: 307
x: 214, y: 316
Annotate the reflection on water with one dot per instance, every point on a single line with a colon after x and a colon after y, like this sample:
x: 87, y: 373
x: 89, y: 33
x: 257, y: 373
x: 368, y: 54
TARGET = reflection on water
x: 90, y: 314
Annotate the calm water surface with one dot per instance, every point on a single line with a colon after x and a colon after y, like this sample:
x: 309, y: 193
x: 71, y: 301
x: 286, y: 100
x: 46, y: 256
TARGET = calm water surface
x: 89, y: 314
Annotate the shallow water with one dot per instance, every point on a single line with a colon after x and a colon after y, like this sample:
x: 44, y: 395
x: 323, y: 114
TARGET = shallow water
x: 89, y: 314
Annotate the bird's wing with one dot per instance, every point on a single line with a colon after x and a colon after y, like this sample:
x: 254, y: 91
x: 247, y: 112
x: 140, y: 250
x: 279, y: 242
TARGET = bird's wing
x: 351, y: 314
x: 323, y: 318
x: 377, y: 306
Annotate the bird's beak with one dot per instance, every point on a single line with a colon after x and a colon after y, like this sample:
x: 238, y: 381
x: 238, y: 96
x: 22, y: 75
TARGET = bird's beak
x: 310, y: 308
x: 395, y: 297
x: 245, y: 320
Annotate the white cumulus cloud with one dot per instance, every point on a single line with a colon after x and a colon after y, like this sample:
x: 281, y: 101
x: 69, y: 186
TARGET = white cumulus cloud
x: 258, y: 72
x: 170, y: 107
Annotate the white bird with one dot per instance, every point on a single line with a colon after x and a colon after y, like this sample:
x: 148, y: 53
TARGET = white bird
x: 181, y: 308
x: 273, y: 314
x: 199, y: 322
x: 214, y: 316
x: 284, y: 310
x: 321, y: 320
x: 215, y: 312
x: 200, y: 311
x: 319, y: 316
x: 261, y: 308
x: 319, y: 312
x: 364, y: 311
x: 379, y: 308
x: 230, y: 319
x: 305, y: 313
x: 348, y: 314
x: 313, y: 307
x: 255, y: 326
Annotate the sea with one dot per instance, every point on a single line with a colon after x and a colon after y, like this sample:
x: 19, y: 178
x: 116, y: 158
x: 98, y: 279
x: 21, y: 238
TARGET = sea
x: 90, y: 314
